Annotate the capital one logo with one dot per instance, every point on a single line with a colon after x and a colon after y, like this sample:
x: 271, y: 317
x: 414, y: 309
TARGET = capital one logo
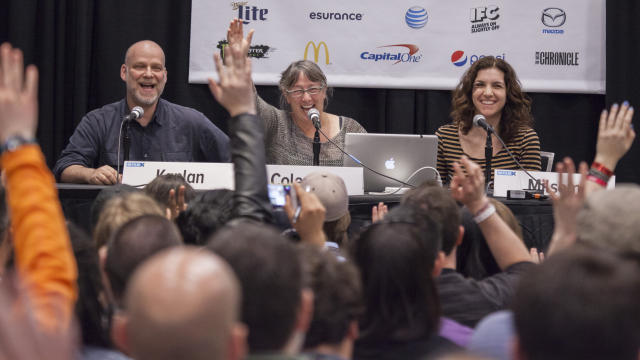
x: 553, y: 17
x: 316, y: 51
x: 484, y: 12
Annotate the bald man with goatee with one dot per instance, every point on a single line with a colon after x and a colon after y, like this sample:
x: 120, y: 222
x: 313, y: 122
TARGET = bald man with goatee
x: 184, y: 303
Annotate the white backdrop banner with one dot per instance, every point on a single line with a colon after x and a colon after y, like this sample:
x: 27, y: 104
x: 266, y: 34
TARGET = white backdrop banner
x: 554, y: 46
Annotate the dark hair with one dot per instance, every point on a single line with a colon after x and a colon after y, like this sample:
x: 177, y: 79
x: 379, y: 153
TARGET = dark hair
x: 517, y: 109
x: 133, y: 243
x: 289, y: 78
x: 440, y: 206
x: 401, y: 302
x: 580, y: 304
x: 160, y: 187
x: 271, y: 277
x: 90, y: 312
x: 337, y: 296
x: 206, y: 213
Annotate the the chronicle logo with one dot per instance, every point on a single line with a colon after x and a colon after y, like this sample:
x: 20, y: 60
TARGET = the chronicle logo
x: 484, y: 19
x: 246, y: 13
x: 335, y: 16
x: 557, y: 58
x: 255, y: 51
x: 406, y: 57
x: 316, y: 51
x: 553, y: 17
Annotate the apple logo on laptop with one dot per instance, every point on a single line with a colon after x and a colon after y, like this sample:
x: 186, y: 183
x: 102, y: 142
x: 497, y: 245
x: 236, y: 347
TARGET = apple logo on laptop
x: 389, y: 164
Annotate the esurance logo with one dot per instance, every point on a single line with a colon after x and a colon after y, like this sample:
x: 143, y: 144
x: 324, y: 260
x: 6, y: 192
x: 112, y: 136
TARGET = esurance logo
x: 255, y: 51
x: 135, y: 164
x: 246, y: 13
x: 557, y: 58
x: 505, y: 173
x: 553, y: 17
x: 406, y: 57
x: 459, y: 58
x: 334, y: 16
x: 416, y: 17
x: 316, y: 51
x: 484, y: 19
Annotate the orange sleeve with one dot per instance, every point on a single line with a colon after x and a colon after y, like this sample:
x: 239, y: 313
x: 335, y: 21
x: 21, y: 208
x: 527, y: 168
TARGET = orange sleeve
x: 43, y: 253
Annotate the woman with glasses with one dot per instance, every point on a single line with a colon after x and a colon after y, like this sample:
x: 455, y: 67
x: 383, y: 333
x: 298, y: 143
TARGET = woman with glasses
x: 288, y: 132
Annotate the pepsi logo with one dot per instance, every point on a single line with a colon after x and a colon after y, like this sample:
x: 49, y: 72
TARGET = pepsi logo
x: 416, y: 17
x: 457, y: 58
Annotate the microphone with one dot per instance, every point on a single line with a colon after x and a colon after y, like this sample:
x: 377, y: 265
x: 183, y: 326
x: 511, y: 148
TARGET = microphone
x: 480, y: 121
x: 314, y: 116
x: 136, y: 113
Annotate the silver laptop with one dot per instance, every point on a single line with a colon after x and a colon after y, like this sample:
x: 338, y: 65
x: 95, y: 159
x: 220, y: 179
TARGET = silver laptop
x: 394, y: 155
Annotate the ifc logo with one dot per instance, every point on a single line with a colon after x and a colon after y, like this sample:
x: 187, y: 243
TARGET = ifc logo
x: 416, y: 17
x: 457, y: 60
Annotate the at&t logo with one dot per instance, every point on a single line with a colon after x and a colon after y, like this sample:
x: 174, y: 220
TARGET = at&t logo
x: 316, y: 51
x: 459, y: 58
x: 416, y: 17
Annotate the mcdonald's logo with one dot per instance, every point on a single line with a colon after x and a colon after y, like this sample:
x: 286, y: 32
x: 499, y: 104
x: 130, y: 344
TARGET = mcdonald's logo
x: 316, y: 51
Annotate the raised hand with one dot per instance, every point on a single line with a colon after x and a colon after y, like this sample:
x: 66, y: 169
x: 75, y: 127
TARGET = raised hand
x: 236, y: 39
x: 18, y: 95
x: 468, y: 190
x: 615, y: 135
x: 378, y: 212
x: 310, y: 220
x: 176, y: 206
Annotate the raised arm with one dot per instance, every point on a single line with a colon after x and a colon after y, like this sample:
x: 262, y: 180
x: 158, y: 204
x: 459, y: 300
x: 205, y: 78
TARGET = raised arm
x: 43, y: 251
x: 504, y: 244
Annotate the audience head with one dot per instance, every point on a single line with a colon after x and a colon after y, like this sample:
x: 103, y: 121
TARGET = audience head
x: 274, y: 305
x: 183, y: 303
x: 159, y: 188
x: 509, y: 218
x: 517, y: 108
x: 332, y: 193
x: 91, y: 304
x: 609, y: 219
x: 337, y: 303
x: 121, y: 209
x: 133, y: 243
x: 579, y: 304
x: 104, y: 196
x: 438, y: 203
x: 401, y: 302
x: 207, y: 212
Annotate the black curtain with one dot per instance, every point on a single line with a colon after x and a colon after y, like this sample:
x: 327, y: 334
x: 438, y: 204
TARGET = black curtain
x: 79, y: 46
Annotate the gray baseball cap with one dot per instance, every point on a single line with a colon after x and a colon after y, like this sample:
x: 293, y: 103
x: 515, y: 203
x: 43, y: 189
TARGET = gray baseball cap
x: 331, y: 191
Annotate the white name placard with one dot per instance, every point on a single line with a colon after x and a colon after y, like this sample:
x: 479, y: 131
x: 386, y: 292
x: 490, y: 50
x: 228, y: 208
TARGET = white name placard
x: 518, y: 180
x: 209, y: 176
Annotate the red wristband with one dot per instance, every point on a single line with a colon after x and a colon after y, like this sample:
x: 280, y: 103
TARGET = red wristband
x: 597, y: 180
x: 603, y: 169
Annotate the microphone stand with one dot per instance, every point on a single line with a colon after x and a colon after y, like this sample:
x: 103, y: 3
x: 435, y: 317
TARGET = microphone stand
x: 488, y: 154
x: 316, y: 148
x: 126, y: 142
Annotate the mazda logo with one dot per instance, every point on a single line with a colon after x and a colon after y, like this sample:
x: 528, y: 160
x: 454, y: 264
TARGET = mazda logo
x: 553, y: 17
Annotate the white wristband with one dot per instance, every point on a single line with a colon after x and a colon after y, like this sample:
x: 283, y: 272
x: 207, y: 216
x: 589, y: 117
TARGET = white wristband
x: 490, y: 210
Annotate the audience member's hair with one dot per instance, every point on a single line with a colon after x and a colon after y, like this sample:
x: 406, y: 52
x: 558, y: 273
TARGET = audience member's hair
x: 401, y: 302
x: 206, y: 213
x: 337, y: 296
x: 580, y: 304
x: 440, y: 206
x: 159, y: 188
x: 609, y: 219
x: 271, y: 277
x: 509, y: 218
x: 89, y: 310
x: 121, y: 209
x: 336, y: 230
x: 104, y: 196
x: 332, y: 193
x: 133, y: 243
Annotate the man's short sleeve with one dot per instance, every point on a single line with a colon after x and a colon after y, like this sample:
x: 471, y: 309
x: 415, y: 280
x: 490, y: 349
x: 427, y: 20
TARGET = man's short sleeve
x: 83, y: 148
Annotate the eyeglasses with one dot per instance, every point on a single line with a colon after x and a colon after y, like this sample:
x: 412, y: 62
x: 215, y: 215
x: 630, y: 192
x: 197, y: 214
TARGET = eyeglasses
x: 299, y: 93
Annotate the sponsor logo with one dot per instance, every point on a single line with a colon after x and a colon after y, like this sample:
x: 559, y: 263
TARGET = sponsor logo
x: 557, y: 58
x: 316, y: 51
x: 255, y: 51
x: 335, y: 16
x: 397, y: 57
x: 459, y: 58
x: 416, y: 17
x: 390, y: 164
x: 135, y: 164
x: 480, y: 14
x: 247, y: 13
x: 553, y: 17
x: 505, y: 173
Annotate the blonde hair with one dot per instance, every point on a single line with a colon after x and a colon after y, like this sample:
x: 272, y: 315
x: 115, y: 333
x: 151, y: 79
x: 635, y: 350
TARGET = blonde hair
x: 505, y: 213
x: 119, y: 210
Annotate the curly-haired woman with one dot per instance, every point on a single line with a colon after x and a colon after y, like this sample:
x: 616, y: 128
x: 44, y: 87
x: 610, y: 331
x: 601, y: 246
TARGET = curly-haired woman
x: 490, y: 87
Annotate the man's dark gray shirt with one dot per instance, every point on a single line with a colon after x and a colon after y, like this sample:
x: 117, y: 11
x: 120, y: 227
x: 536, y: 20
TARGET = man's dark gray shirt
x: 175, y: 133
